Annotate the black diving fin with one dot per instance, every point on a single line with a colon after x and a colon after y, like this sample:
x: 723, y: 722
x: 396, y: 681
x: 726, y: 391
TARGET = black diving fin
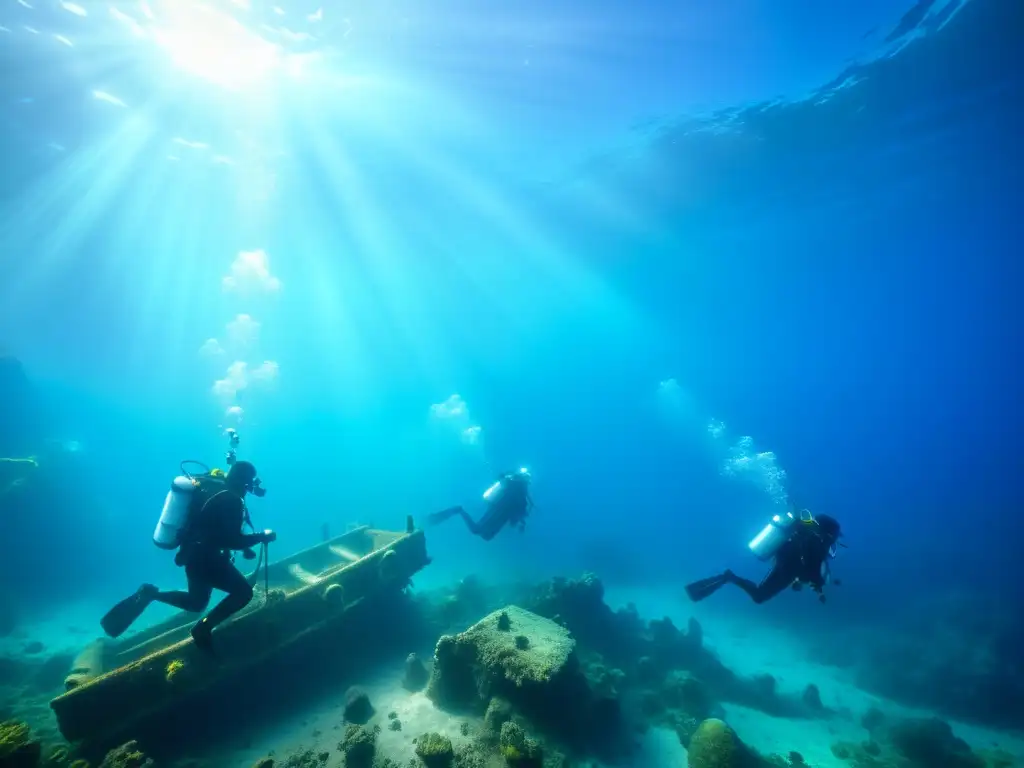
x: 119, y: 618
x: 699, y: 590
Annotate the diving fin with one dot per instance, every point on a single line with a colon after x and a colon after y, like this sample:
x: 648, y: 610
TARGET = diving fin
x: 119, y: 618
x: 699, y: 590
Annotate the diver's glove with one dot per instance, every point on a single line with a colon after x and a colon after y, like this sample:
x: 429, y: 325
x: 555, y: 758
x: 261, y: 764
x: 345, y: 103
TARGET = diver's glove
x: 269, y: 536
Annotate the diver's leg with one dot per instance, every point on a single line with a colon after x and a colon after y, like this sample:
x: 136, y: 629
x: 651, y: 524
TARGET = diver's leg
x: 778, y: 579
x: 490, y: 524
x: 445, y: 514
x: 225, y: 577
x: 199, y: 591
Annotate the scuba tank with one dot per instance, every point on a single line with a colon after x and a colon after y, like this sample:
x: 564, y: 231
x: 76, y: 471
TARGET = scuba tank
x: 496, y: 492
x: 178, y: 505
x: 772, y: 536
x: 175, y: 514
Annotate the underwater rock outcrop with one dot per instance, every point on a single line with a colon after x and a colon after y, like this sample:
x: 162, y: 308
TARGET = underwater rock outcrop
x: 416, y: 675
x: 518, y: 749
x: 959, y: 655
x: 486, y: 660
x: 912, y: 742
x: 359, y: 745
x: 515, y: 656
x: 435, y: 750
x: 358, y: 708
x: 715, y: 745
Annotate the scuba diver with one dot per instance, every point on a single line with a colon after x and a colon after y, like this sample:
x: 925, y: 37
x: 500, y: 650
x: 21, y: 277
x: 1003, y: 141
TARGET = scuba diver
x: 802, y: 547
x: 508, y: 503
x: 202, y: 518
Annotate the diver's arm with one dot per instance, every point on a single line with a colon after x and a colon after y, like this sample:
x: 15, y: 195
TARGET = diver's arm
x: 228, y: 515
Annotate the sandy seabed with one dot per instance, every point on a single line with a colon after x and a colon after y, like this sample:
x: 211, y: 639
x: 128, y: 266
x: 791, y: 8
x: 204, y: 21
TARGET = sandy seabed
x: 743, y: 645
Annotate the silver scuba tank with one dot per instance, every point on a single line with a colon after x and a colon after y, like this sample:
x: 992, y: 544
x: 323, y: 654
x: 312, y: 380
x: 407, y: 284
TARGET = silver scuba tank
x: 175, y: 514
x: 496, y: 491
x: 772, y: 536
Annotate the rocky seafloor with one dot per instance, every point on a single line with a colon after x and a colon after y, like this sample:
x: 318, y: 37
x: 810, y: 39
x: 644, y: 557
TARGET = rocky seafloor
x: 525, y: 675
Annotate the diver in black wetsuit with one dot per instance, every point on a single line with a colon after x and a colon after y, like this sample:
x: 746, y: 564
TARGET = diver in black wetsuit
x: 214, y: 530
x: 509, y: 503
x: 802, y: 559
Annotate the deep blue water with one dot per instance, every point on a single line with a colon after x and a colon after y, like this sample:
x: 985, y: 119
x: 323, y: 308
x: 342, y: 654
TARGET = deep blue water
x: 807, y: 216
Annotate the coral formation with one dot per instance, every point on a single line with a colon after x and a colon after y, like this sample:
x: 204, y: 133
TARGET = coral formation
x: 359, y: 746
x: 519, y: 750
x: 17, y: 747
x: 128, y: 755
x: 716, y: 745
x: 58, y: 755
x: 497, y: 714
x: 308, y: 758
x: 435, y: 750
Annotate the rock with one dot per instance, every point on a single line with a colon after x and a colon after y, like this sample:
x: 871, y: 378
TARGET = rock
x: 416, y: 675
x: 715, y: 745
x: 470, y: 667
x: 927, y: 742
x: 518, y: 749
x: 765, y: 685
x: 128, y: 755
x: 873, y: 719
x: 812, y: 698
x: 685, y: 727
x: 694, y: 634
x: 435, y: 750
x: 358, y: 709
x: 545, y: 681
x: 33, y: 647
x: 498, y: 713
x: 359, y: 745
x: 685, y: 693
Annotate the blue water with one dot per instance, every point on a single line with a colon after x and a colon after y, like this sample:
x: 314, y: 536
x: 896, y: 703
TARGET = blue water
x: 605, y: 227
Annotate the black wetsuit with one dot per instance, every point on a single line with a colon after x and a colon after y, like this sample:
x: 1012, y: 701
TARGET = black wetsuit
x: 510, y: 508
x: 214, y: 531
x: 801, y: 560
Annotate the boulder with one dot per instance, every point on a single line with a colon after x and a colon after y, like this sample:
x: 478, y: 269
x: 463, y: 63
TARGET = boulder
x: 488, y: 659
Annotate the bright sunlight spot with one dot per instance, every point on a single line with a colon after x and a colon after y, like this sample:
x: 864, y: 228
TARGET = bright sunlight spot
x: 210, y: 44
